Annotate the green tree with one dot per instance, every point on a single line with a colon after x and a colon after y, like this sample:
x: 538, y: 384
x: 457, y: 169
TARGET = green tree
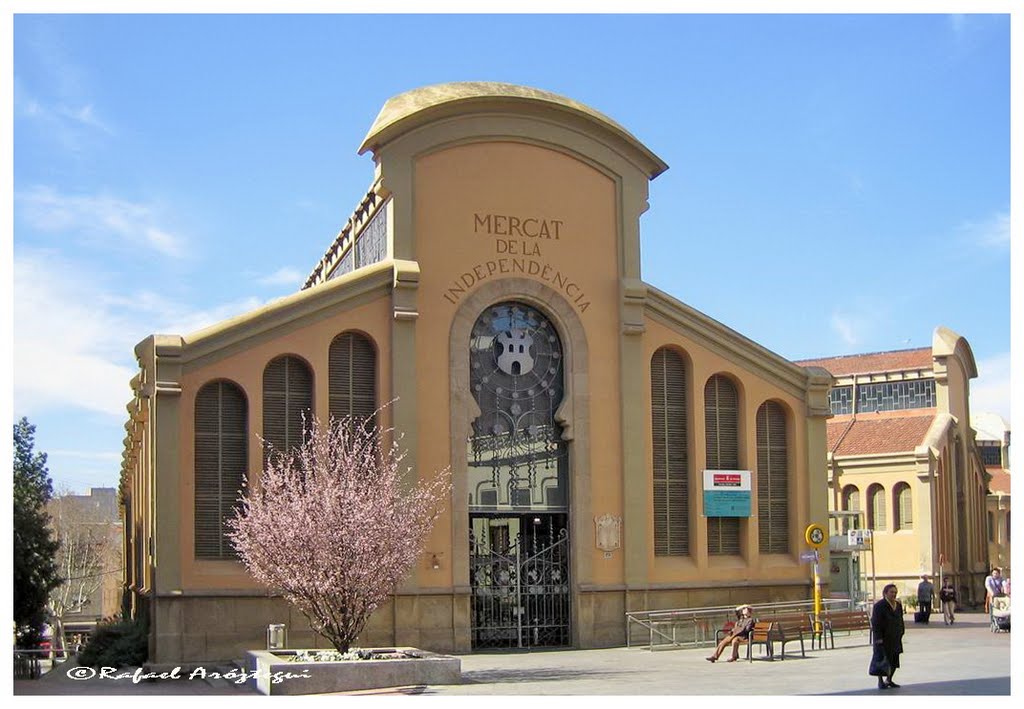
x: 35, y: 567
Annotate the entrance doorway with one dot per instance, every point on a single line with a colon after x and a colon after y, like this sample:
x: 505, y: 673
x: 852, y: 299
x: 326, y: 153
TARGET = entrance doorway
x: 519, y: 574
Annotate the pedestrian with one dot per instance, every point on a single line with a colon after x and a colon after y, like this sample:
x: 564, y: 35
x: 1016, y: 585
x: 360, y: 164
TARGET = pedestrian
x: 947, y: 597
x: 925, y: 591
x: 993, y: 587
x: 887, y: 634
x: 740, y: 632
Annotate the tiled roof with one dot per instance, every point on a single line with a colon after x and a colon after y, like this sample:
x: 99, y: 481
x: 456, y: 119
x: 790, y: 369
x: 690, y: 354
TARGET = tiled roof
x: 873, y: 362
x: 877, y: 434
x: 1000, y: 481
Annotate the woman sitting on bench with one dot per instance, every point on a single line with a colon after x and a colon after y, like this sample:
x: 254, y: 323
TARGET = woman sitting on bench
x: 740, y: 633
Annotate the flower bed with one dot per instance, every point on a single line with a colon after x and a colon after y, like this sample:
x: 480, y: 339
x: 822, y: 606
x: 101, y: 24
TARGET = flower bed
x: 323, y: 671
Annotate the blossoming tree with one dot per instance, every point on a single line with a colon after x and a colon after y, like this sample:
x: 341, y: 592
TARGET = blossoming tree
x: 335, y: 524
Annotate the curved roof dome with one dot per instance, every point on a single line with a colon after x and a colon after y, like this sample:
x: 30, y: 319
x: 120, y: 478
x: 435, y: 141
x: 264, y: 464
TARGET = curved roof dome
x: 411, y: 109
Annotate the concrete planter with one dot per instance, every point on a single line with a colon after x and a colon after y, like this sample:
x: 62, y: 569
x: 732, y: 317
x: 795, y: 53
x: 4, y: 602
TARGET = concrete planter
x: 417, y: 667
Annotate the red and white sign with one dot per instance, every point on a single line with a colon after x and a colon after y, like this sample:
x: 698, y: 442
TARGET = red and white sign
x: 727, y: 480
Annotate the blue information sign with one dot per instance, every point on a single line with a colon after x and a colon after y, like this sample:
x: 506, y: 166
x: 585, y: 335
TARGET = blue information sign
x: 727, y: 503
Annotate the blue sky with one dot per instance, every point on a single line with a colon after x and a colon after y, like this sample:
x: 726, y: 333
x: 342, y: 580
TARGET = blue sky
x: 837, y: 183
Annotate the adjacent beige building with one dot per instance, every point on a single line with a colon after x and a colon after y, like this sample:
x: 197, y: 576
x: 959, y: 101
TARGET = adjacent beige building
x: 489, y: 282
x: 902, y: 451
x: 993, y: 436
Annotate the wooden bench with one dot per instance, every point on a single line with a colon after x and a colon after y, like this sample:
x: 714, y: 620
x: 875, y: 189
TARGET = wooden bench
x: 844, y: 620
x: 791, y: 627
x: 760, y: 635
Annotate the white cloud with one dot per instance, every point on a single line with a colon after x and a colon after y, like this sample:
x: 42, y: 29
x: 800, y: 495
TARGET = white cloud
x: 67, y: 352
x: 74, y: 340
x: 992, y: 232
x: 85, y: 115
x: 98, y: 217
x: 990, y: 392
x: 846, y: 327
x: 286, y: 276
x: 71, y: 124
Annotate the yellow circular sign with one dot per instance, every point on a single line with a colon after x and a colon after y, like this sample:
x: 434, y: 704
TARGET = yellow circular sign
x: 815, y: 535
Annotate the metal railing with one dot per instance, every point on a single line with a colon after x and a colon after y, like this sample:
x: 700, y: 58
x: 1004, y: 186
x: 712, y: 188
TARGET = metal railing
x: 694, y: 627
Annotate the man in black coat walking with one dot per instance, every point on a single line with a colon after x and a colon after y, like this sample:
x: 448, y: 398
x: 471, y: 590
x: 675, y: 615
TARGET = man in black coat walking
x: 887, y: 634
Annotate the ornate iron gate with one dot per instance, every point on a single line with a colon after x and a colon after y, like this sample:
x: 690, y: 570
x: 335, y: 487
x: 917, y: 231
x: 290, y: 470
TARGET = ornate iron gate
x: 520, y: 582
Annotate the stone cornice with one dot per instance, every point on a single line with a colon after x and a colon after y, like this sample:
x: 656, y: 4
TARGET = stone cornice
x: 408, y: 111
x: 722, y: 340
x: 311, y: 302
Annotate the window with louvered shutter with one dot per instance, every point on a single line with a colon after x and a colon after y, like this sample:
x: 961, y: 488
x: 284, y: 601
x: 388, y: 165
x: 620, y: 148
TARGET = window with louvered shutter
x: 287, y: 396
x: 772, y: 479
x: 721, y: 425
x: 904, y: 516
x: 876, y: 508
x: 221, y: 459
x: 352, y: 368
x: 851, y: 498
x: 851, y: 503
x: 671, y: 463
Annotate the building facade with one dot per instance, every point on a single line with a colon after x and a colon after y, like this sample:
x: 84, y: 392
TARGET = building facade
x: 901, y: 451
x: 489, y: 284
x: 993, y: 436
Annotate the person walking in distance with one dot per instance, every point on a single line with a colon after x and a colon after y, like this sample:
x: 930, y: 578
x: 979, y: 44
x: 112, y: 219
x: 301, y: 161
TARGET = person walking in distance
x: 947, y: 597
x: 887, y: 635
x: 925, y: 591
x: 993, y: 587
x: 740, y: 632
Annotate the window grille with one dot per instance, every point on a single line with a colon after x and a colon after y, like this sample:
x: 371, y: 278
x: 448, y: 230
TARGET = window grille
x: 372, y: 242
x: 896, y: 396
x: 671, y: 461
x: 991, y: 455
x: 772, y: 479
x: 515, y: 447
x: 287, y: 397
x: 221, y: 460
x: 352, y: 375
x: 841, y: 400
x: 721, y: 425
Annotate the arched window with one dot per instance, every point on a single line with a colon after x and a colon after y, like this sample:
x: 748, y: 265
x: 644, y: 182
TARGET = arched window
x: 287, y: 397
x: 721, y: 425
x: 903, y: 511
x: 851, y: 503
x: 352, y: 375
x: 517, y: 456
x: 772, y: 479
x: 671, y: 461
x: 221, y: 460
x: 876, y: 508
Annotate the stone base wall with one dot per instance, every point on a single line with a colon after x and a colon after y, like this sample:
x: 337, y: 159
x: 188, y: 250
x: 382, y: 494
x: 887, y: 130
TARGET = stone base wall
x: 223, y: 628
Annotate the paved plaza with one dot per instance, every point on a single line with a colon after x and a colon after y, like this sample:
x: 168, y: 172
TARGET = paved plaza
x: 963, y: 659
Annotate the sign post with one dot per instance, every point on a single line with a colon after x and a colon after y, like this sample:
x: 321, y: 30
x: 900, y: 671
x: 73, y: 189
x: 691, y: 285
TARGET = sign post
x: 816, y: 537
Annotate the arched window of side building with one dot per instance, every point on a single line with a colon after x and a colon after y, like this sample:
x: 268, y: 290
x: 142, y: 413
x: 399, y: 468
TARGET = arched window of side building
x: 876, y: 508
x: 903, y: 514
x: 850, y: 502
x: 772, y: 479
x: 221, y: 460
x: 671, y: 460
x: 721, y: 426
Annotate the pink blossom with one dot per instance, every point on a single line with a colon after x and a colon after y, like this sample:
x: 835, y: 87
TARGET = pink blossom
x: 335, y: 524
